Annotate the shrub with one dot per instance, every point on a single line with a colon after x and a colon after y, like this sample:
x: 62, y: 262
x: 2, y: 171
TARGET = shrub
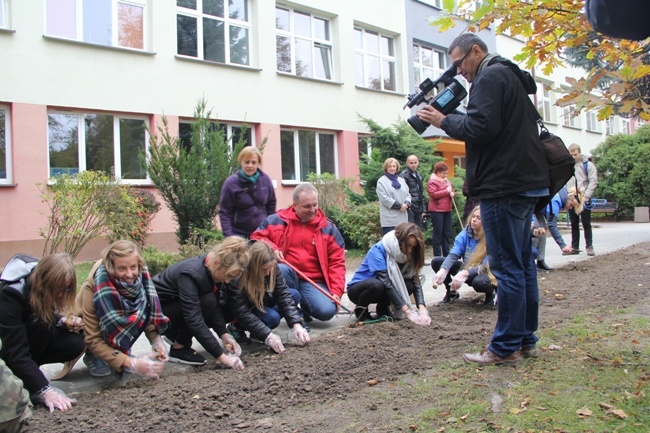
x: 331, y: 192
x: 158, y: 261
x: 199, y: 242
x: 360, y: 225
x: 135, y: 221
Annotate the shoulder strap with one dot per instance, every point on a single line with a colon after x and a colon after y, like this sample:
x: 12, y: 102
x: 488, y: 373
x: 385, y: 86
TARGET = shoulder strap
x: 585, y: 166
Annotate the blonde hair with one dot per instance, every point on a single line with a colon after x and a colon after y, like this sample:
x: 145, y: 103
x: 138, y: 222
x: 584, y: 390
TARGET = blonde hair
x: 480, y: 252
x: 230, y: 256
x: 253, y: 282
x: 576, y: 198
x: 121, y: 248
x: 53, y: 273
x: 389, y: 161
x: 404, y: 231
x: 248, y: 152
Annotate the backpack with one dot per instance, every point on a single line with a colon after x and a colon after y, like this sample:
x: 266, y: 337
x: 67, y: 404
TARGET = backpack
x: 15, y: 273
x: 561, y: 164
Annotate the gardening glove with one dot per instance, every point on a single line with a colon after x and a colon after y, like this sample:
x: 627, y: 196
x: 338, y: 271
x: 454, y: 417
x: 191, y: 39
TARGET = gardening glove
x: 162, y: 353
x: 424, y: 316
x: 71, y: 323
x: 300, y: 333
x: 145, y: 366
x: 274, y: 342
x: 413, y: 316
x: 459, y: 279
x: 54, y: 398
x: 231, y: 361
x: 230, y: 345
x: 440, y: 276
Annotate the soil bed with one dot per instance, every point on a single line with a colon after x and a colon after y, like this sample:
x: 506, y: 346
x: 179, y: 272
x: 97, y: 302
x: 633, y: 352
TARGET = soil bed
x: 324, y: 386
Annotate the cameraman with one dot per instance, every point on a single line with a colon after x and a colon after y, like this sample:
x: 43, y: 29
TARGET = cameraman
x: 507, y: 171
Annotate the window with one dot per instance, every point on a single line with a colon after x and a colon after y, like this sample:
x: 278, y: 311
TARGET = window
x: 545, y: 103
x: 303, y: 44
x: 114, y: 23
x: 374, y: 55
x: 611, y: 126
x: 5, y: 147
x: 4, y: 14
x: 459, y: 161
x: 570, y: 117
x: 593, y: 124
x: 434, y: 3
x: 365, y: 146
x: 214, y: 30
x: 427, y: 63
x: 232, y: 133
x: 305, y: 152
x: 103, y: 142
x: 625, y: 126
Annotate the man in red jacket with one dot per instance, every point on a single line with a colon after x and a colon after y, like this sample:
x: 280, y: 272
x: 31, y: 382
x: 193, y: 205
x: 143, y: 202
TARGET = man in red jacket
x: 303, y: 237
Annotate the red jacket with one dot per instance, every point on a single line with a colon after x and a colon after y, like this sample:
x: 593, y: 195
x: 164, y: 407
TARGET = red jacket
x: 317, y: 248
x: 439, y: 198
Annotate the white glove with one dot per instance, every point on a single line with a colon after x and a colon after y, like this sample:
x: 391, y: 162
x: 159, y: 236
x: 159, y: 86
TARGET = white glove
x: 274, y: 342
x: 162, y: 353
x: 414, y: 317
x: 300, y: 334
x: 424, y: 316
x: 54, y: 398
x: 440, y: 276
x: 71, y: 323
x: 232, y: 361
x: 458, y: 280
x: 230, y: 345
x: 145, y: 366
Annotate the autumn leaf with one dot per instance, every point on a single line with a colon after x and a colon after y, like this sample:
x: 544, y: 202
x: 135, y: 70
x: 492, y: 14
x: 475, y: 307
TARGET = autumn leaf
x: 619, y: 413
x: 584, y: 412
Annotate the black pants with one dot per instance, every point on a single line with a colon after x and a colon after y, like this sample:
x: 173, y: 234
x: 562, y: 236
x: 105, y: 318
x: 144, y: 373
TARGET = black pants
x: 575, y: 218
x: 480, y: 283
x: 372, y: 291
x: 49, y: 345
x: 178, y: 330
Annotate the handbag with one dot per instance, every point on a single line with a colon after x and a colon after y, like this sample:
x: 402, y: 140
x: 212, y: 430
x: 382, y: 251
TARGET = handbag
x: 560, y: 163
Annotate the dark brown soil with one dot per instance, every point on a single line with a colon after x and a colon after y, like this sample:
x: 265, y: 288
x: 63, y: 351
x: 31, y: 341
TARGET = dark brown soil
x: 324, y: 387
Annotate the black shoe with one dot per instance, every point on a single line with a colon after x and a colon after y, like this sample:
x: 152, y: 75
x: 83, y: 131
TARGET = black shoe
x: 450, y: 296
x: 541, y: 264
x: 489, y: 300
x: 187, y: 356
x: 383, y: 310
x: 362, y: 314
x: 238, y: 334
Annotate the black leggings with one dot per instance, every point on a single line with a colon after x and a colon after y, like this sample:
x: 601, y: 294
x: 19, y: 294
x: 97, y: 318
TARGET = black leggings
x: 49, y: 345
x: 372, y: 291
x: 480, y: 283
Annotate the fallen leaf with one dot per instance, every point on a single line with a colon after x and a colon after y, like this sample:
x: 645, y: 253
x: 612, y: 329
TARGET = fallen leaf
x: 559, y: 296
x: 516, y: 411
x: 413, y: 427
x: 525, y: 403
x: 616, y: 325
x: 542, y: 408
x: 584, y: 412
x: 554, y: 347
x: 464, y: 417
x: 605, y: 405
x: 635, y: 342
x: 372, y: 382
x: 619, y: 413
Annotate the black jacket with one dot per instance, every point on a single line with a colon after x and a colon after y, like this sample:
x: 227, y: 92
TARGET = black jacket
x: 242, y: 308
x: 414, y: 182
x: 504, y: 153
x: 187, y: 281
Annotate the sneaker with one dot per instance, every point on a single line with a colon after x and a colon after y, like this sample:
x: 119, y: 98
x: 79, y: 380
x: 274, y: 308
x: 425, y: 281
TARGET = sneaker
x: 529, y: 352
x: 238, y: 334
x: 485, y: 357
x: 187, y: 356
x: 96, y: 367
x: 450, y: 296
x: 590, y: 251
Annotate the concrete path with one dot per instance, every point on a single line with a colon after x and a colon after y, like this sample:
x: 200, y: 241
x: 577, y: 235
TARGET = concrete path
x: 608, y: 237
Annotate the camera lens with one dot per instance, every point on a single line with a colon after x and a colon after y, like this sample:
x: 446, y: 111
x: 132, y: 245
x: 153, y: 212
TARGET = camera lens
x: 417, y: 124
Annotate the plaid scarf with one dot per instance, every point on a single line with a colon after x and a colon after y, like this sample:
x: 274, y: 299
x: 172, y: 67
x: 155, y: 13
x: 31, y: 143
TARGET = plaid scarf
x: 125, y: 309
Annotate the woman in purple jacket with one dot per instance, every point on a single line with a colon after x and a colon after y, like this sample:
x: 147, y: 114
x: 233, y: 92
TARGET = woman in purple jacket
x: 247, y: 197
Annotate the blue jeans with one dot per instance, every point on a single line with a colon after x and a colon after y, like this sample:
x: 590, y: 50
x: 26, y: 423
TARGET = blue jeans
x: 313, y: 301
x: 506, y: 222
x: 271, y: 316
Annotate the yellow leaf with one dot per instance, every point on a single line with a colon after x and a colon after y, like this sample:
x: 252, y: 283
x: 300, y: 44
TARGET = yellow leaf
x: 516, y: 411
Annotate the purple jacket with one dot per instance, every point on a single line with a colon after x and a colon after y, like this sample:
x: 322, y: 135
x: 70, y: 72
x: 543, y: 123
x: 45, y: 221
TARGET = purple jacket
x: 244, y: 205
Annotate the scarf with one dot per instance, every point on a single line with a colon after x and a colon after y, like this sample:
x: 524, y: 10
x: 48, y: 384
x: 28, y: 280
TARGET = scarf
x: 394, y: 257
x: 252, y: 179
x: 394, y: 181
x: 124, y: 309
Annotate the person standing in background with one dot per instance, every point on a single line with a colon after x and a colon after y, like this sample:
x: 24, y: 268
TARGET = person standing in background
x: 441, y: 193
x: 394, y: 197
x: 586, y: 180
x: 413, y: 180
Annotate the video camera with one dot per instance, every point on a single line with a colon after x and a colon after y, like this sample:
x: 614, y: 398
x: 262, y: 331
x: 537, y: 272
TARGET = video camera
x: 450, y: 94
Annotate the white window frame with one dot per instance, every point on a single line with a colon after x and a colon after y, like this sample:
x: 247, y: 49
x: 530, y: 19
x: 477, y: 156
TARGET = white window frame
x: 383, y: 57
x: 567, y: 119
x: 227, y: 21
x: 435, y: 3
x: 8, y: 179
x: 117, y: 148
x: 626, y: 128
x: 5, y: 14
x: 296, y: 154
x: 79, y: 24
x: 593, y: 124
x: 612, y: 126
x: 229, y: 133
x: 313, y: 40
x: 545, y: 102
x: 368, y: 142
x: 421, y: 71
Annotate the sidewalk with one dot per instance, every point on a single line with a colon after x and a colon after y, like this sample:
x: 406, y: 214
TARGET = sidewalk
x: 608, y: 237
